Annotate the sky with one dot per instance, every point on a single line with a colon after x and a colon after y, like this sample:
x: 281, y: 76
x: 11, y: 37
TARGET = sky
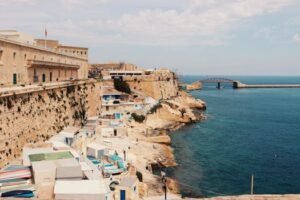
x: 197, y: 37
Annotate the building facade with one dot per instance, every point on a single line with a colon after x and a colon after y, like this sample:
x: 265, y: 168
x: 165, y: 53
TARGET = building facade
x: 24, y: 60
x: 102, y: 70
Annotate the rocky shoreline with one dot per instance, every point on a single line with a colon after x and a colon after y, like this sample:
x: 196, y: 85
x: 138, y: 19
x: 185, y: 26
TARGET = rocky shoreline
x: 170, y: 115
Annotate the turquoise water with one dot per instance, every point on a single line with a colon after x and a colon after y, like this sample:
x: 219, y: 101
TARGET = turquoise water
x: 248, y: 131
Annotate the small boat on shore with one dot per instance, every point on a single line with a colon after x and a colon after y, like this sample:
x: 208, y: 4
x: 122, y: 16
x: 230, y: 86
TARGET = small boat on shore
x: 18, y: 193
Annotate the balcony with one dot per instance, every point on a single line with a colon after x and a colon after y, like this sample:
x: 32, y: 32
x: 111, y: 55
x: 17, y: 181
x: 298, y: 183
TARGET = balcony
x: 48, y: 64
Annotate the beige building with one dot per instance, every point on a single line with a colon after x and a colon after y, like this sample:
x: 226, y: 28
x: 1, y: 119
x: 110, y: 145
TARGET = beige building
x: 101, y: 70
x: 127, y: 189
x: 25, y: 60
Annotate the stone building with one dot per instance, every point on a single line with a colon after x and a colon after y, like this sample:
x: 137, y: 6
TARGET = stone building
x: 102, y: 69
x: 25, y: 60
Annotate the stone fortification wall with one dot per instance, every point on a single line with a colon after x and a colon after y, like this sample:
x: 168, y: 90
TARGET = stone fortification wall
x: 159, y: 84
x: 30, y: 117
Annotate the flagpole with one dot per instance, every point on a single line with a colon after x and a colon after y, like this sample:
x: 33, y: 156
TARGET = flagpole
x: 46, y: 34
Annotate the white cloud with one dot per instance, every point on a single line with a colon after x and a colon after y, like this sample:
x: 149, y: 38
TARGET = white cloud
x: 9, y: 2
x: 296, y: 38
x: 71, y: 4
x: 191, y: 22
x: 201, y: 20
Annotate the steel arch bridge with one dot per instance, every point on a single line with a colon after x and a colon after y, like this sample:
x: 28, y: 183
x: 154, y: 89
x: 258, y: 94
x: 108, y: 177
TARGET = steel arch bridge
x: 217, y: 80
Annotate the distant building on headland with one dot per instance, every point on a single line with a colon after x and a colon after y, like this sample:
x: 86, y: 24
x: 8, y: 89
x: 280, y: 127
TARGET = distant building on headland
x: 103, y: 69
x: 25, y: 60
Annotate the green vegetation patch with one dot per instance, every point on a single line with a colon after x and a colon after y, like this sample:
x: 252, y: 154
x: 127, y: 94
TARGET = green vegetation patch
x: 155, y: 108
x: 50, y: 156
x: 138, y: 118
x: 122, y: 86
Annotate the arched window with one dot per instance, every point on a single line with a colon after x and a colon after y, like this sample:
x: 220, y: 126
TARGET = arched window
x: 25, y: 56
x: 14, y: 56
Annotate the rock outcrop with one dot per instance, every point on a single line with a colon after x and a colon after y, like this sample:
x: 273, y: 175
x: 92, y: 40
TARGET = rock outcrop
x: 176, y: 112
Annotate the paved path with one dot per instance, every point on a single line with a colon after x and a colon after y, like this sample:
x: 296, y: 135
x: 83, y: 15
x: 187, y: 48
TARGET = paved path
x: 241, y: 197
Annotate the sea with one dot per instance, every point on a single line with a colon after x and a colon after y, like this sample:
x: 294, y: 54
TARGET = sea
x: 248, y: 132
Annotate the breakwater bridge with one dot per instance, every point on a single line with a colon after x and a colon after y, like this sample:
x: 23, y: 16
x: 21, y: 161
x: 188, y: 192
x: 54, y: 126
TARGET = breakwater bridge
x: 239, y: 85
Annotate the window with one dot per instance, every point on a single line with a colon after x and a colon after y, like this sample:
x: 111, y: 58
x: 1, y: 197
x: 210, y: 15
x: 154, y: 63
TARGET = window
x: 1, y: 53
x: 25, y: 56
x: 50, y: 76
x: 15, y: 79
x: 81, y: 52
x: 34, y: 57
x: 14, y: 56
x: 35, y: 76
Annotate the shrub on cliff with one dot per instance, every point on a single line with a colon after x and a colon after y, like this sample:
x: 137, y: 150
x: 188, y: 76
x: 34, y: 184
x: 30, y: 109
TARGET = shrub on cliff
x: 122, y: 86
x: 138, y: 118
x: 139, y: 175
x: 154, y: 108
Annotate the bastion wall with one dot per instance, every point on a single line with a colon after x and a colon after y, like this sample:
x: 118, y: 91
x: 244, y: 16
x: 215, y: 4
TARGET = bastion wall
x: 35, y: 116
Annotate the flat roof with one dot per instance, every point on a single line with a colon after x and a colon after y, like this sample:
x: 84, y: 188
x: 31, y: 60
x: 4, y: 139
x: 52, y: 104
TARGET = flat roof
x: 69, y: 132
x: 72, y: 47
x: 126, y: 71
x: 71, y: 129
x: 96, y: 146
x: 80, y: 187
x: 50, y: 156
x: 55, y: 163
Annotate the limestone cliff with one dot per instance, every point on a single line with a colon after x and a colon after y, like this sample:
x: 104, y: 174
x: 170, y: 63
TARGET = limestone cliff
x: 33, y: 116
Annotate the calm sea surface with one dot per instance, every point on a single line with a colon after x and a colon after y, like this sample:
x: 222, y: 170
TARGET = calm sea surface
x: 248, y: 131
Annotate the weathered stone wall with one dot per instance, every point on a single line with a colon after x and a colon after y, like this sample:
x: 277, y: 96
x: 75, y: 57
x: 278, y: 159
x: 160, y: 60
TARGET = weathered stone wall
x: 160, y: 85
x: 36, y: 116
